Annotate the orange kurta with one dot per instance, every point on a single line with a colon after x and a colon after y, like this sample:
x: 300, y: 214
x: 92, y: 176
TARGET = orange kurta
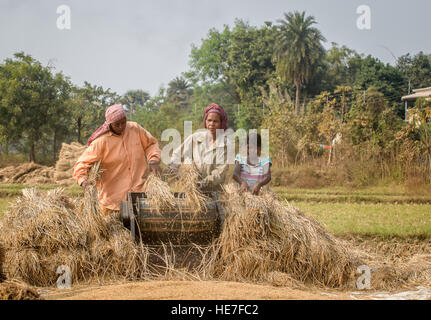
x: 122, y: 160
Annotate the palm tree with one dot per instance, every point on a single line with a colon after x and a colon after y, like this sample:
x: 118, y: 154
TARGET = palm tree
x: 298, y: 49
x: 134, y: 99
x: 179, y: 92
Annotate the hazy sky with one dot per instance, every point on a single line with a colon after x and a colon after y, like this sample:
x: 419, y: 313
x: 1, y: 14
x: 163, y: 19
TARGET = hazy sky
x: 133, y: 44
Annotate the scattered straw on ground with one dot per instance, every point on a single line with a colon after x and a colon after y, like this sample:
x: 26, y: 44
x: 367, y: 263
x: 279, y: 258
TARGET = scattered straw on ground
x: 17, y: 290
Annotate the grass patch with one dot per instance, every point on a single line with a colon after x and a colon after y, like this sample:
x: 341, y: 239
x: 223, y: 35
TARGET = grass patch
x: 389, y: 195
x: 384, y: 220
x: 13, y: 190
x: 4, y: 204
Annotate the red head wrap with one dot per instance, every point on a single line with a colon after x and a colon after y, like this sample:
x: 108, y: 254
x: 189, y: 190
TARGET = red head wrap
x: 220, y: 111
x: 113, y: 114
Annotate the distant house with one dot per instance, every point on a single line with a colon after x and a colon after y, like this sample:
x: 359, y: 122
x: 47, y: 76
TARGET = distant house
x: 409, y: 101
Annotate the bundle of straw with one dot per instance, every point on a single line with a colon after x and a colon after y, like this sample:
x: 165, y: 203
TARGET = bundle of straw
x: 159, y: 194
x: 188, y: 178
x: 262, y: 236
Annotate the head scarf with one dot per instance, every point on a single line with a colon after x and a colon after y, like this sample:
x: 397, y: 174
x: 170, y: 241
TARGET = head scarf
x: 113, y: 114
x: 213, y: 108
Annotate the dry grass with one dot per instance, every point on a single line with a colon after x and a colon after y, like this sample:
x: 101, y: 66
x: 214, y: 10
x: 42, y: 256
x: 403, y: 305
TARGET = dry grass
x: 2, y: 277
x: 42, y: 231
x: 17, y: 290
x: 161, y: 197
x: 262, y: 237
x: 67, y: 158
x: 159, y: 194
x: 395, y: 262
x: 27, y: 173
x: 188, y: 178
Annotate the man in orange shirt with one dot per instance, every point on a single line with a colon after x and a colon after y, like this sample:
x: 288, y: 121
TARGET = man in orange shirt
x: 121, y: 146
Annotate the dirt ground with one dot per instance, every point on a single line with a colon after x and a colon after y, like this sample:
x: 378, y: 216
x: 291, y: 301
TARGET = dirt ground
x: 217, y: 290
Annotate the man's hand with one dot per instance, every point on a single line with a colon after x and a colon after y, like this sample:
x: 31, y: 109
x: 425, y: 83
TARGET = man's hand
x: 155, y: 167
x: 244, y: 187
x: 256, y: 189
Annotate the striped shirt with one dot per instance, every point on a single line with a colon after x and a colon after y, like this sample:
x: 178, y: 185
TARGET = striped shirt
x: 253, y: 174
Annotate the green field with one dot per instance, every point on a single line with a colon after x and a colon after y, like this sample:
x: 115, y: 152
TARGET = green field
x: 383, y: 211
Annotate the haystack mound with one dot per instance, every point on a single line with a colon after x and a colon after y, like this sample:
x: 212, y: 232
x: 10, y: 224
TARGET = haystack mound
x: 263, y: 239
x: 43, y: 231
x: 27, y: 173
x: 67, y: 158
x: 17, y: 290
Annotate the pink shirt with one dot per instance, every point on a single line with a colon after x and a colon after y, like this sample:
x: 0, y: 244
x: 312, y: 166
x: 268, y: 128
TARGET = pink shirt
x: 122, y: 161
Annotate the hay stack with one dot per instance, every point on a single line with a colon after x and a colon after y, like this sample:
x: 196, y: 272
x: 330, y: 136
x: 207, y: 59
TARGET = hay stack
x: 27, y: 173
x: 67, y: 158
x: 42, y: 231
x: 261, y: 237
x: 17, y: 290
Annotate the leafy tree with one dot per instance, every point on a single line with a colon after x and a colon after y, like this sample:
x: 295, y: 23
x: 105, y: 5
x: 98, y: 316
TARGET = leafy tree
x: 298, y: 50
x: 88, y: 105
x: 416, y: 69
x: 385, y: 78
x: 241, y: 60
x: 341, y: 65
x: 29, y: 95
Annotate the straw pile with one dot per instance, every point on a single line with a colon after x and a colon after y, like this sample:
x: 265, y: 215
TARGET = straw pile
x: 27, y: 173
x: 396, y: 263
x: 42, y: 231
x: 67, y: 158
x: 262, y: 238
x: 17, y: 290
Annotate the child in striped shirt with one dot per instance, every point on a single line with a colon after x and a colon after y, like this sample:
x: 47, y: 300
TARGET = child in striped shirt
x: 252, y: 172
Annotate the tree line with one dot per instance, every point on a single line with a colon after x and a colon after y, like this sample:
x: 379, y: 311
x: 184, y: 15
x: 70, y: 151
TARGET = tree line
x: 277, y: 75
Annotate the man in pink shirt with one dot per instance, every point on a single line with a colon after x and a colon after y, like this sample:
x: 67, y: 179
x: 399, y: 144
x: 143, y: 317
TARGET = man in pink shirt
x: 121, y: 146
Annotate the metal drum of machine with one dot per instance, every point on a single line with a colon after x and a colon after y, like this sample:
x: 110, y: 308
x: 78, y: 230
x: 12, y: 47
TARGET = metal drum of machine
x: 180, y: 226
